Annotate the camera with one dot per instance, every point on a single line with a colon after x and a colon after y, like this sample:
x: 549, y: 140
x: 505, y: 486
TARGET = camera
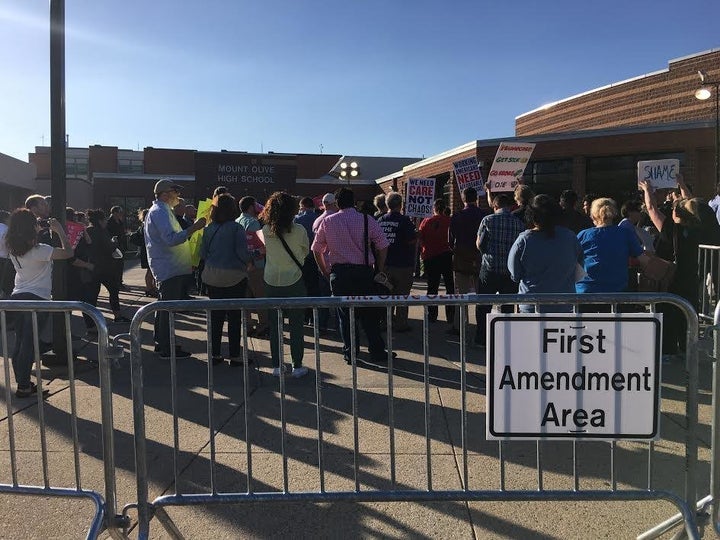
x: 43, y: 222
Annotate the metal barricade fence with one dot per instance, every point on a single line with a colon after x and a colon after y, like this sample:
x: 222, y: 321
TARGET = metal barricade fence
x: 104, y: 501
x: 709, y: 281
x: 683, y: 498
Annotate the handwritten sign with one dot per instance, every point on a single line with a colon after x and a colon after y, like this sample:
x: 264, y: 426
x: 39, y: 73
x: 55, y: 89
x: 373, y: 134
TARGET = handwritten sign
x: 75, y: 232
x: 467, y: 174
x: 419, y: 197
x: 661, y: 173
x: 509, y: 165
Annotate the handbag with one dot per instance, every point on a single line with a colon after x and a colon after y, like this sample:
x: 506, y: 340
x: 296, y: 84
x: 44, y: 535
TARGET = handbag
x: 219, y: 277
x: 656, y: 275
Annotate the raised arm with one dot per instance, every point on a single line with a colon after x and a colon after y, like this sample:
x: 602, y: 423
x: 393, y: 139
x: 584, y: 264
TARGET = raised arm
x: 656, y: 216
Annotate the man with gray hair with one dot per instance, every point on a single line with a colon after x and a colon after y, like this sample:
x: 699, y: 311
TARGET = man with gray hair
x: 381, y: 205
x: 400, y: 262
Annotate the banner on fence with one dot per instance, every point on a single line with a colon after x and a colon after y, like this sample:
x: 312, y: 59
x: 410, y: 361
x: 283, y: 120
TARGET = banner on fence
x: 661, y: 173
x: 509, y: 165
x: 467, y: 174
x: 419, y: 197
x: 589, y: 376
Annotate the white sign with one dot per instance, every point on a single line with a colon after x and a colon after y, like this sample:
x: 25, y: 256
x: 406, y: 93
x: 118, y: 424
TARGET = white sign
x: 661, y: 173
x: 467, y: 174
x: 564, y: 376
x: 509, y: 165
x: 419, y: 197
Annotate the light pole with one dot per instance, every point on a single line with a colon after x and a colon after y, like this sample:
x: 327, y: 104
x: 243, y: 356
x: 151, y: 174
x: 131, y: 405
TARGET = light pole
x: 349, y: 170
x: 703, y: 93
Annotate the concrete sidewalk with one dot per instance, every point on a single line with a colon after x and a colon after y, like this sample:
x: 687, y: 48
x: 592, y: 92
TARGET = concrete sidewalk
x: 60, y: 518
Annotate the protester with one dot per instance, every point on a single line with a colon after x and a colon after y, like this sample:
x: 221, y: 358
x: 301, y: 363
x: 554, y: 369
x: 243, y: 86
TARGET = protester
x: 400, y: 262
x: 544, y: 258
x: 190, y: 214
x: 680, y: 235
x: 117, y: 231
x: 168, y: 258
x: 437, y: 255
x: 330, y: 208
x: 306, y: 217
x: 380, y: 206
x: 495, y: 236
x: 33, y: 281
x: 101, y: 249
x: 287, y: 245
x: 607, y: 249
x: 7, y: 272
x: 224, y: 250
x: 587, y: 204
x: 138, y: 238
x: 522, y: 195
x: 571, y: 218
x: 343, y: 255
x: 256, y: 284
x: 466, y: 258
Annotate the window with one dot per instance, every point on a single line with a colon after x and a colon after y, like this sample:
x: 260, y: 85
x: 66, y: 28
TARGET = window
x: 550, y: 177
x: 131, y: 205
x: 616, y: 176
x: 76, y: 167
x: 131, y: 166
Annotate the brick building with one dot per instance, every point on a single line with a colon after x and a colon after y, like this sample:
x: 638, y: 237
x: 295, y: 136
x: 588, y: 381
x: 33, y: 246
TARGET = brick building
x: 592, y: 142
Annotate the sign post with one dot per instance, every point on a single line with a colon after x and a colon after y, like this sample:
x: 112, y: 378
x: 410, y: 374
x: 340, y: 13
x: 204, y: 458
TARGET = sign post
x: 564, y: 376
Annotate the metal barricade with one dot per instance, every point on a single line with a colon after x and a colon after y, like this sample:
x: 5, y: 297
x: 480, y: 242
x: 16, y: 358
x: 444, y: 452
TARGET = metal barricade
x: 683, y: 498
x: 709, y: 281
x: 104, y: 501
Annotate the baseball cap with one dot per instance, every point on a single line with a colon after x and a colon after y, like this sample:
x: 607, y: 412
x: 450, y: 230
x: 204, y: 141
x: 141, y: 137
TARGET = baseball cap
x: 165, y: 184
x: 328, y: 198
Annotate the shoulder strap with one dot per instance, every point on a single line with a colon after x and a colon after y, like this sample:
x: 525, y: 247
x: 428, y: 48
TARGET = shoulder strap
x: 289, y: 251
x: 367, y: 258
x: 213, y: 236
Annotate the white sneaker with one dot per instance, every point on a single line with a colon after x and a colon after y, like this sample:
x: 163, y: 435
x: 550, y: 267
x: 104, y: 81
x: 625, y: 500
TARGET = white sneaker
x: 298, y: 372
x: 278, y: 371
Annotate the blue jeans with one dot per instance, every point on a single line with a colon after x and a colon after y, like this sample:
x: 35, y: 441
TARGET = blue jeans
x: 174, y: 288
x: 23, y: 352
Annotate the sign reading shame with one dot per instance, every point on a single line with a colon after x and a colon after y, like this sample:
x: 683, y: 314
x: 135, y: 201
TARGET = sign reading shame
x: 661, y: 173
x: 467, y: 174
x: 509, y: 165
x: 243, y: 174
x: 591, y: 376
x: 419, y: 197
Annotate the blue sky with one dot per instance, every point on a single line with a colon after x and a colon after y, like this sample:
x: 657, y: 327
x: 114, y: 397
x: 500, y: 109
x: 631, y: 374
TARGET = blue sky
x: 390, y: 77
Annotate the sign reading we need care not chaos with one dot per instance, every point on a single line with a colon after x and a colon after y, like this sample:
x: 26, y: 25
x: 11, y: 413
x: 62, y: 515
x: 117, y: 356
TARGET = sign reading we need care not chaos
x: 509, y: 165
x: 661, y: 173
x: 419, y: 197
x: 467, y: 174
x: 564, y: 376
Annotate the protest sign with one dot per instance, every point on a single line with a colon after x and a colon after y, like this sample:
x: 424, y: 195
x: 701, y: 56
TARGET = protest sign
x: 419, y: 197
x: 509, y: 165
x: 75, y: 232
x: 467, y: 174
x: 661, y: 173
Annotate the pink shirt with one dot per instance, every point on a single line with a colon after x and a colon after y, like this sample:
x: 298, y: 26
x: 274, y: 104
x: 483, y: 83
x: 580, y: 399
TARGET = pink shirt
x: 341, y: 237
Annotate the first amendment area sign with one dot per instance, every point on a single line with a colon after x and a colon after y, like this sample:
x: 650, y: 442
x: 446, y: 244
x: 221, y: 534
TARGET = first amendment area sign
x: 574, y: 376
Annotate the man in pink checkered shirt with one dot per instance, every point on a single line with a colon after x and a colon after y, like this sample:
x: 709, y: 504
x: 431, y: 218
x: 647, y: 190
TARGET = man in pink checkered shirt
x: 342, y: 254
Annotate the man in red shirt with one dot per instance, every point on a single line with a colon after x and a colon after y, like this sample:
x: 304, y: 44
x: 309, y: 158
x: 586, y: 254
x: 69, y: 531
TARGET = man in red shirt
x: 343, y: 255
x: 436, y: 254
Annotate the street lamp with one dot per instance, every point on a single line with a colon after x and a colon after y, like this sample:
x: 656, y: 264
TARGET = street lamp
x: 703, y: 93
x: 349, y: 170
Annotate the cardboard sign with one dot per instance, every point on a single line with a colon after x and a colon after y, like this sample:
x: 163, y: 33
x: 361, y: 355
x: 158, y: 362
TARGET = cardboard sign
x: 467, y: 174
x: 509, y: 165
x: 75, y: 232
x: 419, y: 197
x: 562, y: 376
x: 661, y: 173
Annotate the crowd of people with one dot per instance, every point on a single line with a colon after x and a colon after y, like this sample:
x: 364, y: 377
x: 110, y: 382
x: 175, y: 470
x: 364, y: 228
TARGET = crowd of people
x: 517, y: 243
